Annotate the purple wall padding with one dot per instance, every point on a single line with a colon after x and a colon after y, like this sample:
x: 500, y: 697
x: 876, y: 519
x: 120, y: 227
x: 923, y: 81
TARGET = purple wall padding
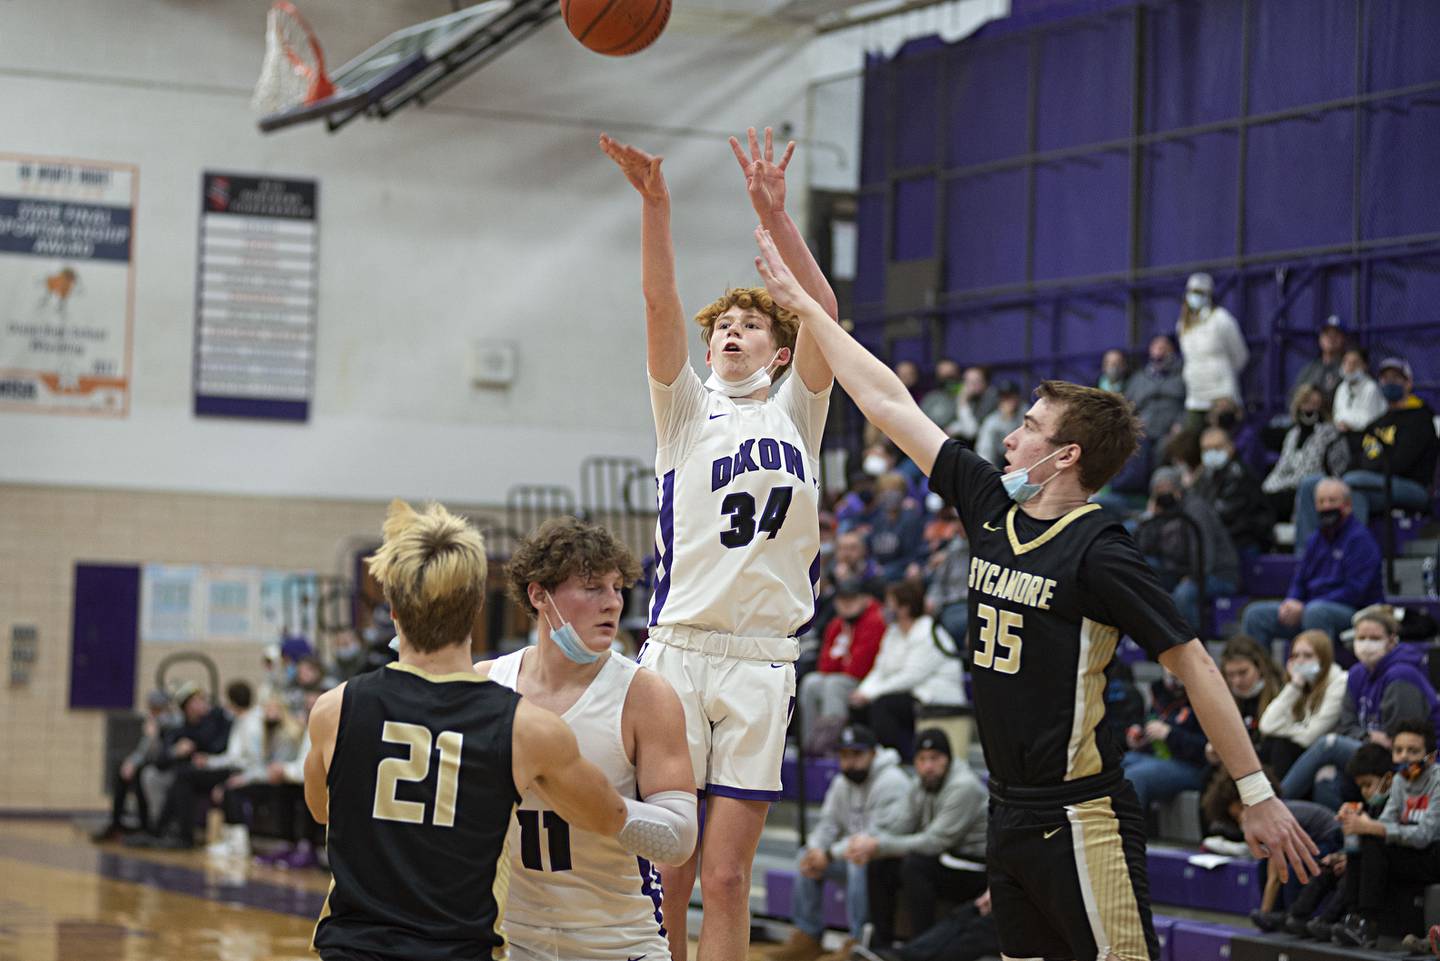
x: 105, y: 637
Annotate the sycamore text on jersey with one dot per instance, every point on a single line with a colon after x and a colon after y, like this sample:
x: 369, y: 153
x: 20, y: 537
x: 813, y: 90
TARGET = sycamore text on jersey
x: 773, y: 455
x: 1010, y: 585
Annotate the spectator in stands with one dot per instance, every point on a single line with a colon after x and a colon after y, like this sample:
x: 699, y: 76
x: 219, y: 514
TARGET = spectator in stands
x: 883, y: 457
x: 852, y: 558
x: 1003, y: 421
x: 204, y: 732
x: 1167, y: 754
x: 851, y: 641
x: 1124, y: 704
x: 947, y: 595
x: 1309, y: 704
x: 160, y: 717
x: 245, y: 726
x: 946, y: 815
x: 1402, y: 846
x: 1253, y: 679
x: 264, y: 750
x: 1403, y: 436
x: 939, y: 402
x: 1213, y: 348
x: 1247, y: 437
x: 1114, y: 371
x: 1302, y: 454
x: 855, y: 509
x: 1158, y: 390
x: 1358, y: 400
x: 897, y: 529
x: 1182, y: 452
x: 1338, y: 574
x: 909, y: 375
x: 1324, y: 371
x: 966, y: 934
x: 1229, y: 487
x: 871, y: 797
x: 1388, y: 682
x: 310, y: 678
x: 1168, y: 540
x: 916, y: 665
x: 347, y: 656
x: 977, y: 400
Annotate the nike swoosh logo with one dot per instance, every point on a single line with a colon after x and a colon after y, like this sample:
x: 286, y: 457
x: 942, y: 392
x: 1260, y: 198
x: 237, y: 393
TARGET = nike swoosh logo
x: 1051, y: 834
x: 987, y: 526
x: 781, y: 664
x: 637, y: 957
x: 712, y: 417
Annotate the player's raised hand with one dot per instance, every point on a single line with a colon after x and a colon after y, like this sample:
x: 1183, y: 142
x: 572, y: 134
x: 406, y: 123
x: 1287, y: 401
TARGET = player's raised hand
x: 764, y: 178
x: 640, y: 168
x: 1271, y: 831
x: 780, y: 279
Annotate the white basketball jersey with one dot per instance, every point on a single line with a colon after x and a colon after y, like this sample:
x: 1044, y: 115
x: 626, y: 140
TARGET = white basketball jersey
x: 564, y: 878
x: 738, y: 535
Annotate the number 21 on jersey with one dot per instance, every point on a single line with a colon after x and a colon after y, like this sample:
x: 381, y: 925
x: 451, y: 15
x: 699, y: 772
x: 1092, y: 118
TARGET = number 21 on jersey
x: 415, y: 766
x: 1002, y: 628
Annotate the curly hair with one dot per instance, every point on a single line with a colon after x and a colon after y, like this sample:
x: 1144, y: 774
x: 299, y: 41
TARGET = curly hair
x: 561, y: 548
x: 784, y: 326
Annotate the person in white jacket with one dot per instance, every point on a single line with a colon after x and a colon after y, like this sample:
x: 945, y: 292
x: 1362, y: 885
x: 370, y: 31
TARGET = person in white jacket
x: 1213, y: 348
x: 1308, y: 707
x: 1358, y: 400
x: 261, y: 744
x: 916, y: 664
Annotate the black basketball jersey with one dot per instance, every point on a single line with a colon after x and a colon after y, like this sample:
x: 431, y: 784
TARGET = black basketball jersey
x: 1049, y: 601
x: 421, y: 794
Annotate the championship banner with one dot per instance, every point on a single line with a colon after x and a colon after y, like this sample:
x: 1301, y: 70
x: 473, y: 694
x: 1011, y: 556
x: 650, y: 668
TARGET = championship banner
x: 255, y: 313
x: 67, y: 283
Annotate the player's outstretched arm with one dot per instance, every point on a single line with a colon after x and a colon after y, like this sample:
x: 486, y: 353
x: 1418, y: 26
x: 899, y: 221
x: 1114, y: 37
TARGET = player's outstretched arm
x: 765, y: 183
x: 546, y: 757
x: 664, y: 826
x: 324, y: 724
x: 873, y: 386
x: 666, y: 352
x: 1270, y: 829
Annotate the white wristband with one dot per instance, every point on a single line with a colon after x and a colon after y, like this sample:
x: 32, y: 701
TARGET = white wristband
x: 1254, y: 788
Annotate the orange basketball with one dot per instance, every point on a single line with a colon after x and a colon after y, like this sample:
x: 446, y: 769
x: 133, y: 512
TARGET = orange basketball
x: 616, y: 28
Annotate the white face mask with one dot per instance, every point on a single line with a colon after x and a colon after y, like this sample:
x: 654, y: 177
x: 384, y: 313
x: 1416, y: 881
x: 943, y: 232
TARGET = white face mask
x: 1215, y: 459
x: 1308, y: 671
x: 1368, y: 650
x: 1196, y: 300
x: 743, y: 388
x: 875, y: 465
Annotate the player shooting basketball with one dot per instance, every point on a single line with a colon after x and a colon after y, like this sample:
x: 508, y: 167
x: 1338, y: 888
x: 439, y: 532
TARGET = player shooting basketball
x: 1053, y: 585
x: 738, y: 535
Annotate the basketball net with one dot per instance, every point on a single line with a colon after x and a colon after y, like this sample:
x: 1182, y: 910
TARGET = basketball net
x: 293, y: 73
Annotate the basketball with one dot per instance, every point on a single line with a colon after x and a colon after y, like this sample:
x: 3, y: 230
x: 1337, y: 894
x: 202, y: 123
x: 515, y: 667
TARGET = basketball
x: 616, y: 28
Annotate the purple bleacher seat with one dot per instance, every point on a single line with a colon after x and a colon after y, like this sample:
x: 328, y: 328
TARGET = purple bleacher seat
x: 780, y: 898
x: 819, y: 772
x: 1163, y: 925
x: 1269, y: 574
x: 1234, y: 887
x: 1200, y: 941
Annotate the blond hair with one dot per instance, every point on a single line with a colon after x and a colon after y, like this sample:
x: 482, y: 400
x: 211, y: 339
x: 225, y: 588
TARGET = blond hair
x: 432, y: 568
x: 1320, y: 643
x: 1382, y: 614
x: 784, y: 326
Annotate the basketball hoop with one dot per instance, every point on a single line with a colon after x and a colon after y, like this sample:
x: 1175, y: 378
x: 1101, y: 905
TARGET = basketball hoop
x: 293, y: 73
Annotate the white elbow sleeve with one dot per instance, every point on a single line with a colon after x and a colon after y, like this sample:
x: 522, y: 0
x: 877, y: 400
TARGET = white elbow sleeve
x: 662, y: 828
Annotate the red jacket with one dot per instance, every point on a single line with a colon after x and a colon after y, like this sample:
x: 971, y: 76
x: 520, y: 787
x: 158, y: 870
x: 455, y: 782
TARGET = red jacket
x: 865, y: 636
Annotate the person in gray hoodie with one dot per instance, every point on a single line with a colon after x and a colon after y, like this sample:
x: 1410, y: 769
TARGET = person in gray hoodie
x: 870, y: 798
x: 1402, y: 846
x: 937, y: 852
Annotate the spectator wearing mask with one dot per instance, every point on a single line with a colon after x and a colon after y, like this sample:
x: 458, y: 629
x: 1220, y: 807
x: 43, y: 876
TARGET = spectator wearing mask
x: 856, y: 507
x: 1388, y: 682
x: 1167, y: 754
x: 1229, y: 487
x: 1246, y: 436
x: 939, y: 402
x: 347, y: 656
x: 897, y: 528
x: 1168, y: 541
x: 1403, y: 436
x: 977, y: 399
x: 204, y: 732
x: 160, y: 718
x: 1338, y: 574
x: 1114, y: 371
x: 260, y: 751
x: 947, y: 595
x: 1358, y: 400
x: 870, y: 797
x: 946, y: 815
x: 1307, y: 707
x: 1213, y: 348
x: 851, y: 641
x: 1303, y: 452
x: 1400, y: 848
x: 1324, y: 371
x: 1004, y: 420
x: 1158, y: 390
x: 916, y: 665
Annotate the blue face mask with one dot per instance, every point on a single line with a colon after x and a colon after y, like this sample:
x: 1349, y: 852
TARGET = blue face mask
x: 1017, y: 482
x: 567, y: 640
x: 1393, y: 392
